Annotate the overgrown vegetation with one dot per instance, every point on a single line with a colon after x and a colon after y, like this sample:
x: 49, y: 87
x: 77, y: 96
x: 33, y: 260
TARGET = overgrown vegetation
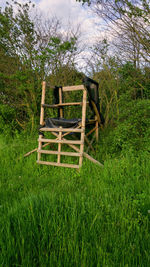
x: 59, y: 217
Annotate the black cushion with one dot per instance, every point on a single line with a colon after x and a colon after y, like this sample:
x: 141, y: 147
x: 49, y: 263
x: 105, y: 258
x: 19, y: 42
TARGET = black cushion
x: 57, y: 122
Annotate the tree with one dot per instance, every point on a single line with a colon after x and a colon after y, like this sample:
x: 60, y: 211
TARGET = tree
x: 104, y: 69
x: 129, y: 22
x: 28, y: 56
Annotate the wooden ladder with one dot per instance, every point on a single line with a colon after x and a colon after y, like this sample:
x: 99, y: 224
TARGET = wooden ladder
x: 60, y: 132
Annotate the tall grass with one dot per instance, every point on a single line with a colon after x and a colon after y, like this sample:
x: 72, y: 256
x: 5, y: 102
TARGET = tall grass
x: 60, y: 217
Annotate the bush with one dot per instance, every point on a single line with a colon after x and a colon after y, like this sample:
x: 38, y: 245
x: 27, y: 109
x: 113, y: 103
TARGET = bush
x: 132, y: 131
x: 8, y: 122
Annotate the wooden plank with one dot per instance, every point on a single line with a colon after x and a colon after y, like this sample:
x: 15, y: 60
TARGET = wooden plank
x: 39, y: 147
x: 96, y: 130
x: 42, y: 114
x: 96, y: 112
x: 58, y: 164
x: 83, y: 126
x: 87, y: 156
x: 89, y: 144
x: 75, y: 142
x: 42, y: 103
x: 64, y: 153
x: 60, y: 102
x: 73, y: 88
x: 92, y: 121
x: 59, y: 146
x: 93, y: 138
x: 92, y: 159
x: 91, y: 131
x: 34, y: 150
x: 69, y: 130
x: 62, y: 105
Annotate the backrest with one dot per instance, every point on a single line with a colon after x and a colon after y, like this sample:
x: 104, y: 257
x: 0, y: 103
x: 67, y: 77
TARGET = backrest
x: 93, y: 93
x: 92, y: 88
x: 93, y: 97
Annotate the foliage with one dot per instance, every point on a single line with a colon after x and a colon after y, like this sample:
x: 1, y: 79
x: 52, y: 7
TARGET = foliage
x: 57, y: 217
x: 30, y: 53
x: 28, y: 57
x: 128, y: 25
x: 134, y: 82
x: 7, y: 119
x: 131, y: 131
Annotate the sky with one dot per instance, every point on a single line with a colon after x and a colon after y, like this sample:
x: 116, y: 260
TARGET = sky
x: 72, y: 12
x: 69, y: 11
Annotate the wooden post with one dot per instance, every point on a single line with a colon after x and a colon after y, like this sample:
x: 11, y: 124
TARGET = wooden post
x: 42, y: 102
x: 90, y: 132
x: 60, y: 102
x: 83, y: 126
x: 42, y: 115
x: 96, y: 130
x: 59, y: 146
x: 61, y: 116
x: 89, y: 144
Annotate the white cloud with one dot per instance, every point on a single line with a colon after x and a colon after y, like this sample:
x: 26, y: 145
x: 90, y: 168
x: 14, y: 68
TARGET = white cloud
x: 68, y: 11
x: 71, y: 13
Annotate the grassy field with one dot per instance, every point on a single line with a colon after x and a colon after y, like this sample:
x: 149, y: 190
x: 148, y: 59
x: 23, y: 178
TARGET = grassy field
x: 60, y: 217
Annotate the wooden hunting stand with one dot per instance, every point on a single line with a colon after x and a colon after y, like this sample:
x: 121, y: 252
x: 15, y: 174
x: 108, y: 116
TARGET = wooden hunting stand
x: 61, y: 131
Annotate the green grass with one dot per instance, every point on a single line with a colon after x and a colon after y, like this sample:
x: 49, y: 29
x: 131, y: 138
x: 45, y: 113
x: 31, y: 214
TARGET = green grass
x: 53, y: 216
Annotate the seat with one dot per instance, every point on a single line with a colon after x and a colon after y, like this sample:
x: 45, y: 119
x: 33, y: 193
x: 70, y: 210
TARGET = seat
x: 57, y: 122
x: 63, y: 128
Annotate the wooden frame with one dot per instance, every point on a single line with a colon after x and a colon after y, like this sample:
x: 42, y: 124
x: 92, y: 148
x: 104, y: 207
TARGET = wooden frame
x: 60, y: 132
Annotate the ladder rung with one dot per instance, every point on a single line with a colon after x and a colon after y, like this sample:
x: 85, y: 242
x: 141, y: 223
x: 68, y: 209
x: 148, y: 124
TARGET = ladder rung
x: 62, y: 105
x: 58, y: 164
x: 73, y: 88
x: 72, y: 130
x: 51, y: 152
x: 74, y: 142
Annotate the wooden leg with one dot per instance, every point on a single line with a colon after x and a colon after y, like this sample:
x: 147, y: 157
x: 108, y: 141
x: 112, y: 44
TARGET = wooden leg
x: 60, y: 102
x: 89, y: 144
x: 42, y: 115
x: 83, y: 127
x: 39, y: 148
x: 42, y: 102
x: 60, y: 133
x: 96, y: 131
x: 90, y: 132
